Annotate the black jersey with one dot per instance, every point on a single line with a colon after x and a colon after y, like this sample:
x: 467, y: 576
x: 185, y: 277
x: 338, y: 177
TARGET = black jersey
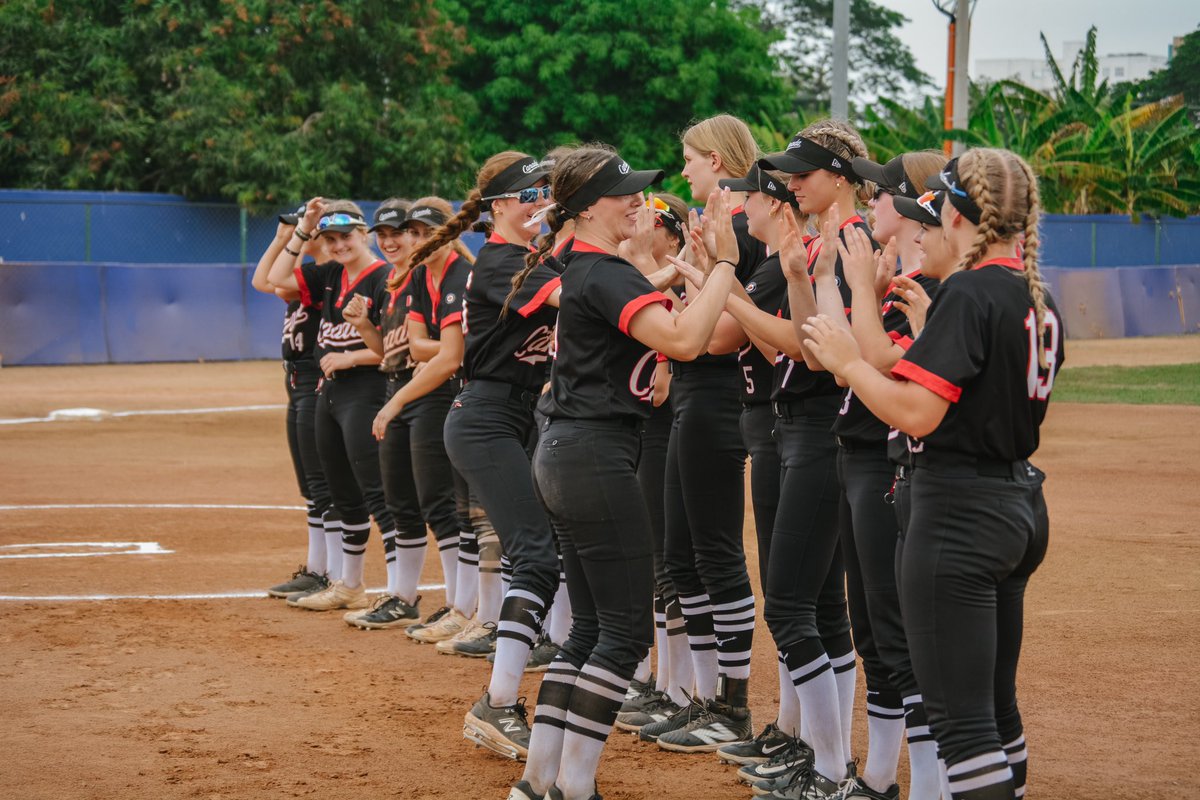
x: 330, y: 286
x: 793, y: 380
x: 855, y: 423
x: 515, y: 349
x: 396, y: 356
x: 300, y: 326
x: 768, y: 289
x: 751, y: 251
x: 979, y: 350
x: 600, y: 372
x: 437, y: 305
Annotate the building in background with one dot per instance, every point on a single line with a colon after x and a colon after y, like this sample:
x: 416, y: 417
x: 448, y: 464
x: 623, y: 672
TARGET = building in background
x: 1036, y: 73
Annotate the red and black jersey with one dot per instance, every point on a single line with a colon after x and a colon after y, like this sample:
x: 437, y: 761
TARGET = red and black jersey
x: 855, y: 423
x: 751, y: 251
x: 768, y: 289
x: 396, y: 357
x: 300, y: 326
x: 979, y: 350
x: 600, y: 372
x: 437, y: 305
x: 515, y: 349
x: 329, y: 286
x: 793, y: 380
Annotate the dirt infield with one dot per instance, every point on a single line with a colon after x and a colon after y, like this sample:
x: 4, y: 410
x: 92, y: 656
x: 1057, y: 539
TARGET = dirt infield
x: 240, y: 697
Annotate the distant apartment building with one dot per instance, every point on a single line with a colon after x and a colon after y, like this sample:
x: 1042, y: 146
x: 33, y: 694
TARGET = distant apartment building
x: 1036, y: 74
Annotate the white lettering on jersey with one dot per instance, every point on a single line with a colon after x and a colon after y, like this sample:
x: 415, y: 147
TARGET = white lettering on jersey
x: 1038, y: 385
x: 536, y: 347
x: 293, y: 337
x: 641, y: 380
x: 342, y: 336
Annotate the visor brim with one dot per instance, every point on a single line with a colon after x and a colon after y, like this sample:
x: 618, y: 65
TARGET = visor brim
x: 636, y: 181
x: 911, y: 209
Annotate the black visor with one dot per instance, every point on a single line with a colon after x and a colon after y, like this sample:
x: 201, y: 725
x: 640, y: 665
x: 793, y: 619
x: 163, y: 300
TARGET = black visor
x: 388, y: 218
x: 890, y: 177
x: 516, y: 176
x: 614, y: 179
x: 926, y: 209
x: 805, y: 155
x: 948, y: 183
x: 428, y: 215
x: 758, y: 180
x: 293, y: 217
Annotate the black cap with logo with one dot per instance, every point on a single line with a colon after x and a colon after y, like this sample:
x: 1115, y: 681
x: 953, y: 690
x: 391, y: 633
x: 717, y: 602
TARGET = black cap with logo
x: 947, y: 182
x: 388, y: 217
x: 926, y: 209
x: 293, y: 217
x: 758, y: 180
x: 433, y: 217
x: 614, y: 179
x: 890, y: 177
x: 805, y: 155
x: 521, y: 174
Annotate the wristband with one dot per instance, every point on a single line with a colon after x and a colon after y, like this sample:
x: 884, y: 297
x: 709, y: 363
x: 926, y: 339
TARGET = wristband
x: 301, y: 235
x: 726, y: 261
x: 290, y: 251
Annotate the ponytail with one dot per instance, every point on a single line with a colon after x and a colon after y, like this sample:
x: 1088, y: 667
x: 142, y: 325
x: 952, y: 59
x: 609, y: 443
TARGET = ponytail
x: 555, y: 221
x: 455, y: 227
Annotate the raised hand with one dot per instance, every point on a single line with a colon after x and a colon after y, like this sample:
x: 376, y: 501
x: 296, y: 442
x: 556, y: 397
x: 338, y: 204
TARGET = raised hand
x: 885, y: 268
x: 313, y: 211
x: 833, y: 345
x: 831, y: 245
x: 858, y: 259
x: 355, y: 311
x: 915, y: 304
x: 793, y: 255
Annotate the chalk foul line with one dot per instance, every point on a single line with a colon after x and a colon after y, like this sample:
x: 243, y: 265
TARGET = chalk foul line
x: 76, y: 598
x: 97, y: 414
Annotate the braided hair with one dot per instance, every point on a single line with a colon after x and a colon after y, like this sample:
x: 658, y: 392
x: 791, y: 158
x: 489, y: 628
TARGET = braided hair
x: 569, y: 175
x: 1004, y: 187
x: 842, y: 138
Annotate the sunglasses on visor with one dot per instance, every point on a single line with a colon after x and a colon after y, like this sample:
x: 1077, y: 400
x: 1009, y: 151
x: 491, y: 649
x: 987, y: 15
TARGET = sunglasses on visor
x: 333, y: 220
x: 529, y: 195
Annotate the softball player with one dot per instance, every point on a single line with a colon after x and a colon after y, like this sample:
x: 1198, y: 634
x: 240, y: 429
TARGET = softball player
x: 704, y: 490
x: 611, y: 321
x: 971, y: 394
x: 351, y: 389
x: 300, y: 325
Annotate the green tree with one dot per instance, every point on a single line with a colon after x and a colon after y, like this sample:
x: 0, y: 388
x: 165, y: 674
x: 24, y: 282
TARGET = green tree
x: 261, y: 101
x: 628, y: 73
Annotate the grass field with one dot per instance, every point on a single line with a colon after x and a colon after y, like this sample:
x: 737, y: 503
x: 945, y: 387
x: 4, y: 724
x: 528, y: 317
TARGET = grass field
x: 1163, y: 384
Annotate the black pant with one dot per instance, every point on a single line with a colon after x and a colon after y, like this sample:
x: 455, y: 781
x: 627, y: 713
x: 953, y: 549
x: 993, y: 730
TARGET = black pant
x: 971, y: 542
x: 869, y: 534
x: 302, y: 378
x: 486, y: 432
x: 586, y: 473
x: 705, y: 482
x: 758, y: 435
x: 417, y: 477
x: 805, y: 594
x: 651, y: 472
x: 346, y: 408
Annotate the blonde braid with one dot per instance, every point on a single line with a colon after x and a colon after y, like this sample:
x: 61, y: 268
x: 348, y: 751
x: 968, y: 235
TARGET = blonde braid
x: 973, y: 171
x: 1033, y: 275
x: 844, y: 139
x: 460, y: 222
x: 555, y: 222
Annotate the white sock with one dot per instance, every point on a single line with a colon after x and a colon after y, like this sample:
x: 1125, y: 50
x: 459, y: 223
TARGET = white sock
x: 944, y: 781
x: 818, y: 692
x: 706, y: 667
x: 885, y: 734
x: 466, y: 588
x: 315, y: 563
x: 333, y: 549
x: 448, y: 554
x: 491, y: 588
x: 925, y: 779
x: 594, y: 704
x: 642, y: 673
x: 546, y: 735
x: 353, y: 565
x: 683, y: 676
x: 663, y: 653
x: 393, y: 563
x: 410, y: 560
x: 845, y: 675
x: 789, y: 703
x: 558, y: 626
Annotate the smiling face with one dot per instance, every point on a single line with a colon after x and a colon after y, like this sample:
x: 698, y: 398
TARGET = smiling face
x: 346, y: 248
x: 939, y: 258
x: 394, y: 244
x: 516, y: 214
x: 615, y: 218
x: 815, y: 191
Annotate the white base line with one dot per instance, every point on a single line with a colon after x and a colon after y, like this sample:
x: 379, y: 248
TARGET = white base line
x: 68, y: 598
x: 147, y: 412
x: 53, y: 507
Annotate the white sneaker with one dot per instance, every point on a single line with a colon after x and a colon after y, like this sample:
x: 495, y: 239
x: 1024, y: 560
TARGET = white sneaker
x: 338, y: 595
x: 471, y: 631
x: 448, y: 626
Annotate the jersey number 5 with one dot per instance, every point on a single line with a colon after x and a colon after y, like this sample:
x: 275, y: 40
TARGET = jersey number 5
x: 1038, y: 385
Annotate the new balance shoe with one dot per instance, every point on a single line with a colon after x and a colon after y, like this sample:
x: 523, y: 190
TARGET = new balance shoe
x: 392, y: 612
x: 447, y: 627
x: 475, y: 641
x: 302, y: 581
x: 432, y: 618
x: 759, y: 749
x: 796, y: 755
x: 681, y: 718
x: 725, y: 720
x: 503, y: 729
x: 541, y: 655
x: 858, y: 788
x: 338, y: 595
x: 649, y: 711
x: 808, y: 784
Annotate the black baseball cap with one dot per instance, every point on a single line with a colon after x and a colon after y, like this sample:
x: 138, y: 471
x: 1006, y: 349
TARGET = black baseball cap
x: 389, y: 217
x: 926, y: 209
x: 293, y: 217
x: 890, y: 177
x: 614, y: 179
x: 758, y: 180
x: 947, y: 182
x: 521, y: 174
x: 433, y: 217
x: 340, y: 221
x: 804, y: 155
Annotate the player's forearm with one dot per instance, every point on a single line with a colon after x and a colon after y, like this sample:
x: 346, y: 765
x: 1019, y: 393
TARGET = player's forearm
x: 877, y: 347
x: 695, y: 325
x: 775, y: 332
x: 423, y: 349
x: 263, y: 268
x: 371, y: 337
x: 903, y: 405
x: 434, y: 374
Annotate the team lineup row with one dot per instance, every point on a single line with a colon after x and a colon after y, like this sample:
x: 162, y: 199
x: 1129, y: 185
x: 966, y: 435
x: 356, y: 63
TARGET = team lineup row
x: 571, y: 414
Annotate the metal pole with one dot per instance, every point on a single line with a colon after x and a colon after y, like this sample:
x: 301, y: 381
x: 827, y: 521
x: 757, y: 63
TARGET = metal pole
x: 962, y: 44
x: 948, y: 97
x: 839, y: 105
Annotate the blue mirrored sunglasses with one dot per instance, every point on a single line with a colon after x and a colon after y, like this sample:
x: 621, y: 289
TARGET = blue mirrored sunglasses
x: 529, y: 195
x: 338, y: 219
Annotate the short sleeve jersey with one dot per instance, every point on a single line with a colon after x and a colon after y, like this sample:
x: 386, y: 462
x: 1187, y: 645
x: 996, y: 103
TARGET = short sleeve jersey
x: 600, y: 371
x: 515, y: 349
x: 329, y: 285
x: 767, y: 287
x: 793, y: 380
x: 751, y: 251
x: 855, y: 423
x: 300, y: 326
x: 979, y: 351
x: 438, y: 305
x: 396, y: 357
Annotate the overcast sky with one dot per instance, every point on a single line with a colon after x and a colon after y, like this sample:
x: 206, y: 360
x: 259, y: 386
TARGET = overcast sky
x: 1010, y: 28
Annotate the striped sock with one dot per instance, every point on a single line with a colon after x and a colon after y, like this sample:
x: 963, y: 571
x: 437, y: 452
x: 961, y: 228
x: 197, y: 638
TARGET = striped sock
x: 885, y: 734
x: 816, y: 686
x: 733, y: 629
x: 845, y: 673
x: 549, y: 723
x: 333, y: 547
x: 924, y: 773
x: 982, y: 777
x: 466, y: 591
x: 789, y: 702
x: 698, y: 619
x: 393, y: 564
x: 505, y: 572
x: 354, y: 548
x: 683, y: 676
x: 315, y: 563
x: 660, y: 644
x: 521, y: 619
x: 1017, y: 762
x: 558, y: 628
x: 595, y: 700
x: 448, y: 555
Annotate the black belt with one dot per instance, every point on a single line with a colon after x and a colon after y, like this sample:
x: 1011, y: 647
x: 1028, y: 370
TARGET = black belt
x: 822, y: 405
x: 630, y: 422
x: 501, y: 390
x: 961, y: 462
x: 855, y: 446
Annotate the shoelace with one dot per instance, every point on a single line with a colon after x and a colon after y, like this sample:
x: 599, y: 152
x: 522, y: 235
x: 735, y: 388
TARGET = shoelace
x: 701, y: 708
x: 520, y: 710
